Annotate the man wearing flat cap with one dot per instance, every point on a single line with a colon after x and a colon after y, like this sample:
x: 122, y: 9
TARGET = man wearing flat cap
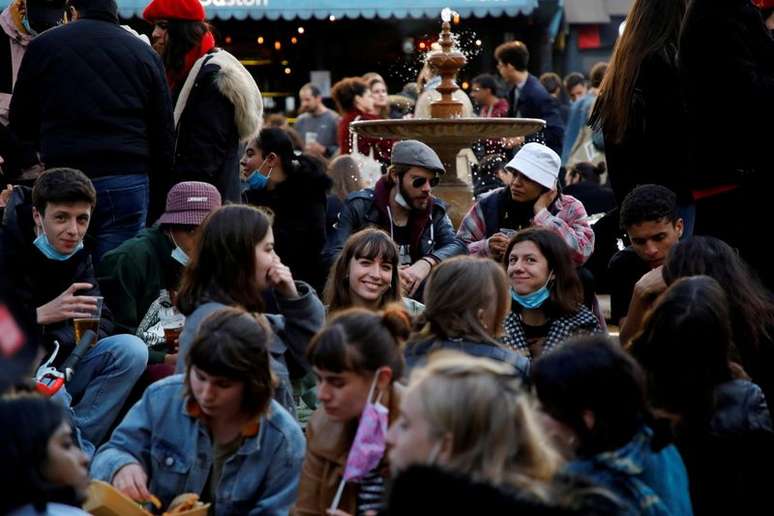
x: 402, y: 205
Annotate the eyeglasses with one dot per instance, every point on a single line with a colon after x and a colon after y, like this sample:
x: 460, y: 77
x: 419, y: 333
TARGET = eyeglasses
x: 419, y: 182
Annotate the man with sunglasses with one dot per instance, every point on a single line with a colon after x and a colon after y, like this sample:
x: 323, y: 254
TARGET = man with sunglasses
x: 402, y: 205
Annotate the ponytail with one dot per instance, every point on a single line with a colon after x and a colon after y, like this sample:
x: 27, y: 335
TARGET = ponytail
x: 362, y: 341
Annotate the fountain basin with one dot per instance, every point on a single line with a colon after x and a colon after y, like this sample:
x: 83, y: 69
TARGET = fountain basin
x: 462, y: 131
x: 447, y: 136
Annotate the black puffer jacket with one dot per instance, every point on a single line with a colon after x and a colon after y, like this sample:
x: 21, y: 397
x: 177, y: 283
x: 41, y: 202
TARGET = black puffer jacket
x: 299, y: 205
x: 34, y: 280
x: 92, y: 96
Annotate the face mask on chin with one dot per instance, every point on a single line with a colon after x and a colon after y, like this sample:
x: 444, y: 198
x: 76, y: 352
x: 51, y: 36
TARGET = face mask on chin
x: 535, y: 299
x: 49, y: 251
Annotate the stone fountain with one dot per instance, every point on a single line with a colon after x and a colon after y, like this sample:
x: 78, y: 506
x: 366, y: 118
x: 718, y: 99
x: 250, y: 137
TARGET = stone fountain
x: 446, y: 131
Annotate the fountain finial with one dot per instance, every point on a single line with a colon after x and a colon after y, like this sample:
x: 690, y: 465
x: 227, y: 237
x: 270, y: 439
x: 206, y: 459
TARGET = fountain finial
x: 447, y: 62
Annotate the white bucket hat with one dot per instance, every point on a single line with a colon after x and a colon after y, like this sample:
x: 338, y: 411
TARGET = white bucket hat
x: 537, y: 162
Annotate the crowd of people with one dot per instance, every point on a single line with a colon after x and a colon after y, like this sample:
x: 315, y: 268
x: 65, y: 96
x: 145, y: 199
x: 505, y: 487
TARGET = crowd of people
x: 285, y: 320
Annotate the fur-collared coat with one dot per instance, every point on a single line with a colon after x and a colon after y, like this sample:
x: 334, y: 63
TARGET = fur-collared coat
x: 218, y: 107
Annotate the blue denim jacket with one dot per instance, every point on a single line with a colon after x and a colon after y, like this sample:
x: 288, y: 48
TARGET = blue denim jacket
x: 651, y: 483
x: 175, y: 450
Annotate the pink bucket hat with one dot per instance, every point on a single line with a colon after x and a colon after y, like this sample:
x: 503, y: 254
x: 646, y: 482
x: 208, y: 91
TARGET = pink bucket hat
x: 189, y: 203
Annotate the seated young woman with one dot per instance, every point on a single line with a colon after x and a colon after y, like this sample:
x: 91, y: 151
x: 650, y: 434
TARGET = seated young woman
x: 594, y: 394
x: 43, y: 471
x: 235, y: 265
x: 750, y: 304
x: 214, y: 431
x: 547, y: 295
x: 365, y: 274
x: 466, y: 299
x: 721, y: 423
x: 470, y: 440
x: 356, y: 356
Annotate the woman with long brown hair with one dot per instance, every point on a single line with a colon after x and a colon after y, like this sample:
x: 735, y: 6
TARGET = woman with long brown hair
x: 640, y: 108
x: 235, y: 265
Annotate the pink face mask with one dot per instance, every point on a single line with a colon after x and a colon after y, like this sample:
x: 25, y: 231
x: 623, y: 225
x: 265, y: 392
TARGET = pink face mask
x: 368, y: 447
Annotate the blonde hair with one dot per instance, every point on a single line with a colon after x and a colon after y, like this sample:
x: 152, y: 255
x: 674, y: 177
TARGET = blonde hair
x: 345, y: 173
x: 497, y: 435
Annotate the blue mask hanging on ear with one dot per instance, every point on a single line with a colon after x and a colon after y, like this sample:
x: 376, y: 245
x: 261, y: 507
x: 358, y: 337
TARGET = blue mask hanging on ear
x: 178, y: 254
x: 257, y: 181
x: 27, y: 27
x: 49, y: 251
x: 534, y: 299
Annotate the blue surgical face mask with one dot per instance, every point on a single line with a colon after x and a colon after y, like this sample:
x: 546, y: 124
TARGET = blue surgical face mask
x: 27, y: 27
x: 258, y: 181
x: 534, y: 299
x: 49, y: 251
x: 178, y: 254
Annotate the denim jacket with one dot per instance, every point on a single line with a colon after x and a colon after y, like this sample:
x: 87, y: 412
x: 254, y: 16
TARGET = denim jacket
x: 651, y: 483
x: 175, y: 450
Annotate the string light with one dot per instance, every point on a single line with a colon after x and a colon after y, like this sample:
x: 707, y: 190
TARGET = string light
x: 227, y: 40
x: 260, y: 40
x: 287, y: 71
x: 300, y: 30
x: 422, y: 45
x: 478, y: 43
x: 332, y: 18
x: 294, y: 40
x: 465, y: 85
x: 277, y: 45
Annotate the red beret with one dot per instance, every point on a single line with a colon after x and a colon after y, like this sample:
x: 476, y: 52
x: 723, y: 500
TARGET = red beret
x: 764, y: 4
x: 189, y: 10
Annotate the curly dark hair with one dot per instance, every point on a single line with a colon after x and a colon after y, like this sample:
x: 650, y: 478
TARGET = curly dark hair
x: 62, y: 185
x: 345, y: 91
x: 648, y: 203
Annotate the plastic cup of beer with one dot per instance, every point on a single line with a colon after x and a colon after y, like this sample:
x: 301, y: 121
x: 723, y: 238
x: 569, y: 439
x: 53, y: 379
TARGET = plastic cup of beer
x: 91, y: 322
x: 172, y: 330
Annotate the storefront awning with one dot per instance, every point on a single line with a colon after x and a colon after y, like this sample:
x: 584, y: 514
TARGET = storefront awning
x: 324, y: 9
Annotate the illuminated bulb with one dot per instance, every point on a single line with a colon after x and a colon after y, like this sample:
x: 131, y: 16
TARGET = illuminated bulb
x: 277, y: 45
x: 260, y: 40
x: 478, y: 43
x: 422, y: 45
x: 332, y: 18
x: 227, y: 40
x: 465, y: 85
x: 456, y: 19
x: 300, y: 30
x: 294, y: 40
x: 287, y: 71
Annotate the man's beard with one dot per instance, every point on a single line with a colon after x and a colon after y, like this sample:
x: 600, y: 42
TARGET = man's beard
x: 411, y: 201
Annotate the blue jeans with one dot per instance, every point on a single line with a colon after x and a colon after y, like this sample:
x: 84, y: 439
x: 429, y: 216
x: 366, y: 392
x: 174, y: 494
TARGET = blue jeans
x: 102, y: 382
x: 122, y: 207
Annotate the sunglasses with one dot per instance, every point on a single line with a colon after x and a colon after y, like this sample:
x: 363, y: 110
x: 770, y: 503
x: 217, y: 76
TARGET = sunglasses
x: 419, y: 182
